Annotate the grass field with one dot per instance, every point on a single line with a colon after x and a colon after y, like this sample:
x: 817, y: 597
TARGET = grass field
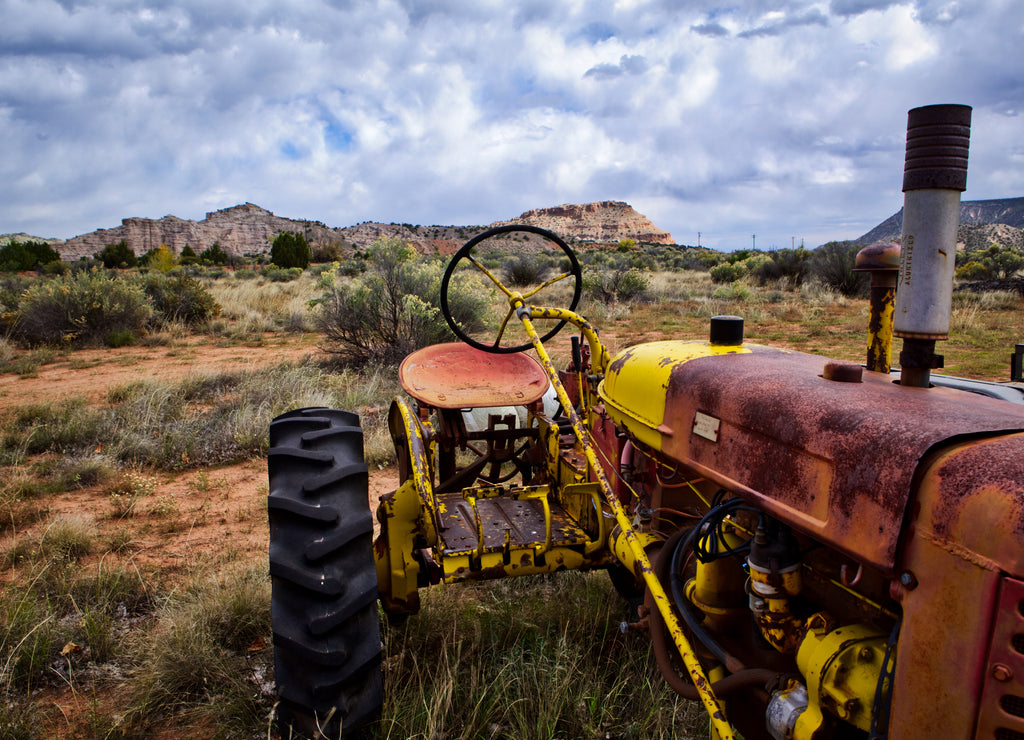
x: 135, y: 597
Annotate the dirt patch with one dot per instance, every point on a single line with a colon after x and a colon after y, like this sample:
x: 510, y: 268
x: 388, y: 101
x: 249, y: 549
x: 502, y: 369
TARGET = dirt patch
x: 90, y: 373
x: 186, y: 520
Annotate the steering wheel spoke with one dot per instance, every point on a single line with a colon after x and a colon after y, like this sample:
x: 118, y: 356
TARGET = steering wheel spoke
x: 515, y: 299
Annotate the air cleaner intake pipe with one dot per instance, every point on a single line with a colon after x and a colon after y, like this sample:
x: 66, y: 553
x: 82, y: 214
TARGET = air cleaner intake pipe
x: 934, y: 175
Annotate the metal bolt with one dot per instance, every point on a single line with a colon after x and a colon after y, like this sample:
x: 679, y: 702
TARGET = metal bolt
x: 1002, y: 673
x: 908, y: 580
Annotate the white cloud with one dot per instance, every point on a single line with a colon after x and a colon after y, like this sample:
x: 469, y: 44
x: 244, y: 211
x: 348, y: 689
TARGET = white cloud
x: 714, y: 117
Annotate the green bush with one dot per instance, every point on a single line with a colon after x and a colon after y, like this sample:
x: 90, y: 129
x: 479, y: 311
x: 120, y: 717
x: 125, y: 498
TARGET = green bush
x: 81, y: 310
x: 18, y: 256
x: 290, y: 250
x: 996, y: 261
x: 326, y: 253
x: 973, y: 270
x: 214, y: 255
x: 282, y: 275
x: 188, y: 256
x: 393, y: 308
x: 114, y: 256
x: 622, y: 284
x: 180, y: 298
x: 160, y: 258
x: 788, y: 264
x: 833, y: 264
x: 726, y: 272
x: 524, y: 270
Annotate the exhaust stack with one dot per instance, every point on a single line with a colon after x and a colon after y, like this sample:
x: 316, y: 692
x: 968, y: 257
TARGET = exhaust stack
x: 934, y: 175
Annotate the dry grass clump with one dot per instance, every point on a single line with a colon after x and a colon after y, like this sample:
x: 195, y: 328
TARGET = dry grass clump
x: 197, y: 654
x: 531, y: 657
x: 199, y: 420
x: 206, y: 655
x: 260, y: 305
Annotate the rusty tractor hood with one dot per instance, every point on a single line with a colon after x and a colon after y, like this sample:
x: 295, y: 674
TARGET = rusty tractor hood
x: 834, y: 459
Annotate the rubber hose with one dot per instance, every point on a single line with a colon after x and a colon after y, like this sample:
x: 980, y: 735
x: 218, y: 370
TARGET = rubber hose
x: 676, y: 553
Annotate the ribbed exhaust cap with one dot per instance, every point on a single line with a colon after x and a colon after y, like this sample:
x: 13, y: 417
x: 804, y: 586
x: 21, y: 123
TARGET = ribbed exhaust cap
x: 938, y: 137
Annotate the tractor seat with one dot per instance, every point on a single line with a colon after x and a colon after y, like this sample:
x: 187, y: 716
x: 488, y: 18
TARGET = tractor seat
x: 457, y: 376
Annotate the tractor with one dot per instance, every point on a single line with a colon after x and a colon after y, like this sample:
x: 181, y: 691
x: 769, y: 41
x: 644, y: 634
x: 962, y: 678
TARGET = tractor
x: 818, y: 549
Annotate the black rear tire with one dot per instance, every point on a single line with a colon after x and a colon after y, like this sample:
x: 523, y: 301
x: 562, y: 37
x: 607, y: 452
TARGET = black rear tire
x: 327, y: 647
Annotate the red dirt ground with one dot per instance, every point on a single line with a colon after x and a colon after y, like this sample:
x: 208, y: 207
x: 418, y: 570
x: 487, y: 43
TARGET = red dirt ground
x: 194, y: 521
x: 192, y: 516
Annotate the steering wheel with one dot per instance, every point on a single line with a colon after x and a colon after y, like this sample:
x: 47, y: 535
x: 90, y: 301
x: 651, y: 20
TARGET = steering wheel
x: 466, y: 254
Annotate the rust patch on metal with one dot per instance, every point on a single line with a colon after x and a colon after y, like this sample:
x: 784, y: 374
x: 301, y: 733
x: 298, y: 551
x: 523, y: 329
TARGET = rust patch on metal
x: 836, y: 460
x: 457, y: 376
x: 973, y: 501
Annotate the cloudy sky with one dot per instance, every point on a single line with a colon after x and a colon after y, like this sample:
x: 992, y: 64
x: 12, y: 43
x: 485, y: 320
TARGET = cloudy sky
x: 783, y: 119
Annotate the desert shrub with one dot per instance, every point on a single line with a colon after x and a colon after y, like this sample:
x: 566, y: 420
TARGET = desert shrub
x: 788, y: 264
x: 188, y: 256
x: 81, y: 309
x: 726, y: 272
x: 523, y: 270
x: 11, y: 288
x: 997, y: 261
x: 180, y: 298
x: 736, y: 292
x: 325, y: 252
x: 121, y: 338
x: 696, y: 258
x: 832, y: 264
x: 160, y: 258
x: 18, y: 256
x: 973, y: 270
x: 290, y: 250
x: 52, y: 269
x: 626, y: 285
x: 393, y: 308
x: 118, y: 255
x: 283, y: 274
x: 214, y: 255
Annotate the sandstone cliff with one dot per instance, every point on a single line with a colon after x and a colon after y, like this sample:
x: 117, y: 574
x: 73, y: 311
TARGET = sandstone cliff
x: 606, y: 222
x: 240, y: 230
x: 248, y: 229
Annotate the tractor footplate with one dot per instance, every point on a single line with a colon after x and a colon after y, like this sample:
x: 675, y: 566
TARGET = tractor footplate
x: 506, y: 523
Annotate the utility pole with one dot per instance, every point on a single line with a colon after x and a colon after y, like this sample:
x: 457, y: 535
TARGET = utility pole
x: 698, y: 240
x: 753, y: 241
x: 792, y: 242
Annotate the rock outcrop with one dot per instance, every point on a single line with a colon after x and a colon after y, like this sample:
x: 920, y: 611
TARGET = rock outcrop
x: 240, y: 230
x: 248, y: 229
x: 606, y: 222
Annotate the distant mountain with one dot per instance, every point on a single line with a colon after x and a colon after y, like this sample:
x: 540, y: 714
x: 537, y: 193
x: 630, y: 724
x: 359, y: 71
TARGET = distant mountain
x: 250, y: 229
x: 607, y: 222
x: 23, y: 237
x: 239, y: 230
x: 1008, y: 211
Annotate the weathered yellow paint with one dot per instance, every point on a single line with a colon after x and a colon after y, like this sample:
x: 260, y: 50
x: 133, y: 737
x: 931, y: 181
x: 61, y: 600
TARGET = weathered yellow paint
x: 880, y: 336
x: 841, y: 667
x: 624, y: 554
x: 407, y: 513
x: 717, y: 588
x: 523, y: 561
x: 635, y: 386
x: 661, y: 600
